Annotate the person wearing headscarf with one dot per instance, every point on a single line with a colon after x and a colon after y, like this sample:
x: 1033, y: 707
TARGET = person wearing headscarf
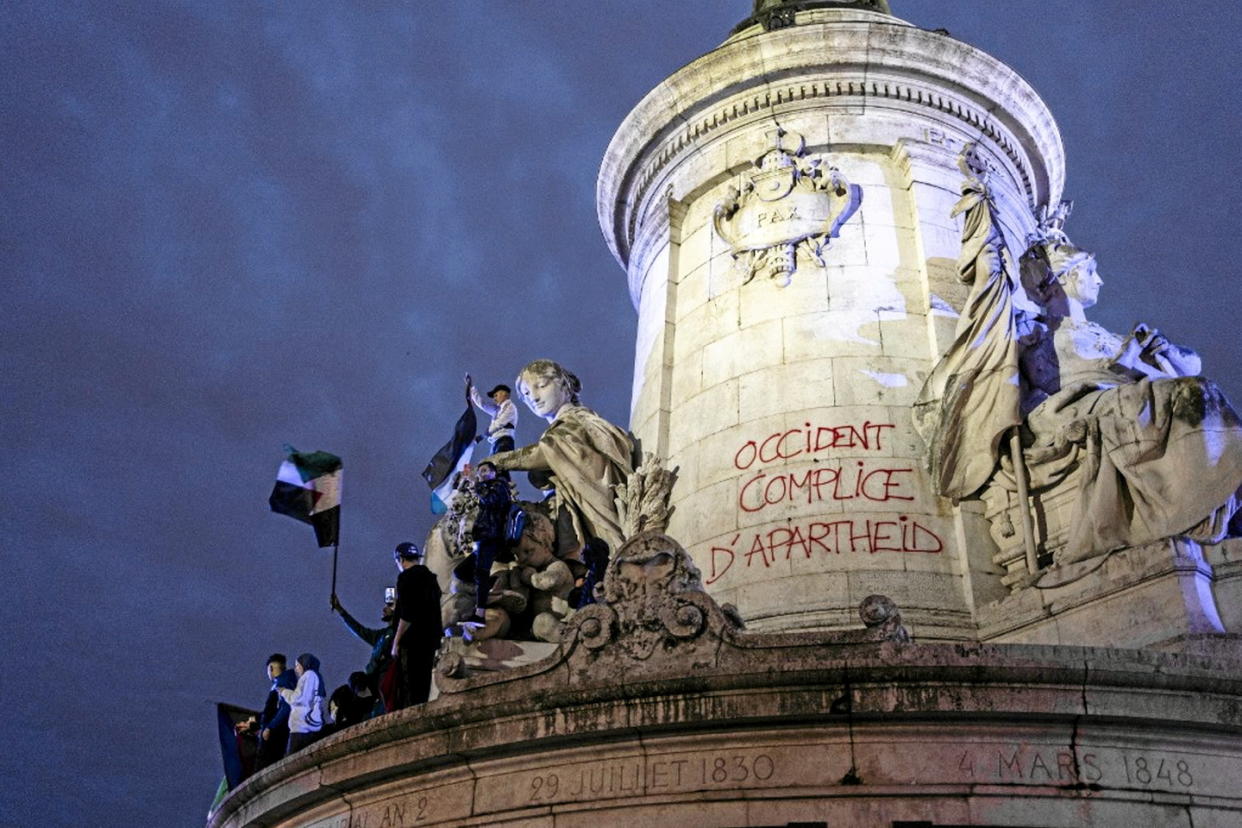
x: 307, y: 703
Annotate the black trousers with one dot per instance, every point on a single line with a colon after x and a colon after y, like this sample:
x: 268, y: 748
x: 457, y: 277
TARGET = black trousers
x: 272, y: 750
x: 297, y: 741
x: 503, y: 444
x: 484, y: 556
x: 416, y: 666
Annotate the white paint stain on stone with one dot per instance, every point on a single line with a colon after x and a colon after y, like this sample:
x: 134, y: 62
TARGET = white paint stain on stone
x: 888, y: 380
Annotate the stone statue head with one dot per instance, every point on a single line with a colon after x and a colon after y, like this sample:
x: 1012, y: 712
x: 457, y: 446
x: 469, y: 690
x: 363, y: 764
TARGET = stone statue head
x: 1055, y: 274
x: 546, y: 387
x: 1079, y: 280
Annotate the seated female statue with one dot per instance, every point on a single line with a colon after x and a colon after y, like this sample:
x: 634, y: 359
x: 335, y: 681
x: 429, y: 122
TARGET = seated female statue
x: 1158, y: 448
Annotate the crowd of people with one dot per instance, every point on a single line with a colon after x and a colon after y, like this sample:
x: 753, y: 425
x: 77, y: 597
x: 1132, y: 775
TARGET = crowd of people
x: 298, y: 709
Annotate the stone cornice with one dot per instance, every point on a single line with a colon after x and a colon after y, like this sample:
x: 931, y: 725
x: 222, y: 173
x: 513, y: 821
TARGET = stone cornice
x: 657, y: 657
x: 831, y: 62
x: 796, y: 680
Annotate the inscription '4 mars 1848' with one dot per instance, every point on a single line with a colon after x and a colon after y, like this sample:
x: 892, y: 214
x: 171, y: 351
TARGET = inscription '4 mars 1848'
x: 1106, y: 768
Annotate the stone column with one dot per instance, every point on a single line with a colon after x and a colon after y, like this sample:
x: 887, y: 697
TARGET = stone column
x: 787, y: 408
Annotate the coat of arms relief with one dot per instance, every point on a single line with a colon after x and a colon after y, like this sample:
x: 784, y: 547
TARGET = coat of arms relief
x: 788, y: 208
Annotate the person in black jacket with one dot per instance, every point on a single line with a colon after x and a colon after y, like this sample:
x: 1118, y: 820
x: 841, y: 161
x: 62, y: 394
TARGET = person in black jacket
x: 379, y: 638
x: 418, y: 624
x: 273, y: 724
x: 489, y: 531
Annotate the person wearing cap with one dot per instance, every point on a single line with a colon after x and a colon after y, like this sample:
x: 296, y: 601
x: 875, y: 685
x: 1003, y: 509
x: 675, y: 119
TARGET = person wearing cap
x: 419, y: 631
x: 378, y: 638
x: 502, y: 411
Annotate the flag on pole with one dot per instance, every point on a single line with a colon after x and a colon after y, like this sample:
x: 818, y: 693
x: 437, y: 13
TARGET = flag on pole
x: 308, y: 488
x: 449, y: 460
x: 236, y: 749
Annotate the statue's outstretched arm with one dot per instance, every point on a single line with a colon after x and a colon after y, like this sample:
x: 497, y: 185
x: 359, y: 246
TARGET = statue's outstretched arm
x: 523, y: 459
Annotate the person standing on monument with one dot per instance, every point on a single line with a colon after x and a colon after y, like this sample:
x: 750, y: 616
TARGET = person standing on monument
x: 378, y: 638
x: 503, y: 412
x: 418, y: 624
x: 307, y: 703
x: 273, y: 724
x: 488, y: 532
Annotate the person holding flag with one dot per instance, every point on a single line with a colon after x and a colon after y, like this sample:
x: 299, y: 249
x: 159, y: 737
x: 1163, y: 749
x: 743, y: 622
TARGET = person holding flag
x: 503, y: 412
x: 443, y: 469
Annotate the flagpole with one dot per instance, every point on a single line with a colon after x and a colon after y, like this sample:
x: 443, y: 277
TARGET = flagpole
x: 1024, y: 502
x: 336, y: 547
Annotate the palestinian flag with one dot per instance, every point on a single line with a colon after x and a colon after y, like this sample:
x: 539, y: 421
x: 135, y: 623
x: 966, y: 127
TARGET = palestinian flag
x: 308, y: 488
x: 450, y: 459
x: 238, y: 750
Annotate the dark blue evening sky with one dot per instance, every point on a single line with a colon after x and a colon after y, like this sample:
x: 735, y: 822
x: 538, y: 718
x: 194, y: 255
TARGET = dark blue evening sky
x: 230, y: 225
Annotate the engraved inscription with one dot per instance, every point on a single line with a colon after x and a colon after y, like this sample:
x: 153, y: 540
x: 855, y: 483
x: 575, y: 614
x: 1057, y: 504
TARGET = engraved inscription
x: 1105, y: 768
x: 410, y: 810
x: 634, y: 777
x: 1157, y: 771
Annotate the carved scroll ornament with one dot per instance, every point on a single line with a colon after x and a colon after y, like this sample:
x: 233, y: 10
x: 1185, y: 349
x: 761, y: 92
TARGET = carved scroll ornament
x: 788, y: 207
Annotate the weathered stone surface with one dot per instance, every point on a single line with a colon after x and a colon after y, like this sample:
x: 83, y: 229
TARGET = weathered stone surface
x: 861, y: 733
x: 1153, y: 595
x: 657, y: 705
x: 725, y: 360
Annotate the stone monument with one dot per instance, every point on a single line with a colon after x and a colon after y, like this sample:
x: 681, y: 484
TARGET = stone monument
x: 786, y: 400
x: 897, y: 536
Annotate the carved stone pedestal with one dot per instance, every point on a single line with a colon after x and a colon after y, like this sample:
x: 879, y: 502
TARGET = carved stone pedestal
x: 459, y: 657
x: 792, y: 731
x: 1148, y: 596
x: 1225, y: 558
x: 657, y: 708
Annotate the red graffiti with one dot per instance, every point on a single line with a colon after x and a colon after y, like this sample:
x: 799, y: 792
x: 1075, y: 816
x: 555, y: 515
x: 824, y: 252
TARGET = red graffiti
x: 823, y: 483
x: 796, y: 442
x: 904, y: 535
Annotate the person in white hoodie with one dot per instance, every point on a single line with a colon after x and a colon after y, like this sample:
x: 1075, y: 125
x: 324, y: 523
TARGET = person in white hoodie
x: 306, y: 703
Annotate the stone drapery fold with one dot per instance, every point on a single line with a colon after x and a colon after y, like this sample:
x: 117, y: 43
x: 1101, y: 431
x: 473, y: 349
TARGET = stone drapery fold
x: 1141, y: 448
x: 588, y: 456
x: 972, y: 396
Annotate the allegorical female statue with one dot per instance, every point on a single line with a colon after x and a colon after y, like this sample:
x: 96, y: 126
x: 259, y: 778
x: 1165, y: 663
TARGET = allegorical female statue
x: 1158, y: 447
x: 585, y: 456
x: 1149, y: 449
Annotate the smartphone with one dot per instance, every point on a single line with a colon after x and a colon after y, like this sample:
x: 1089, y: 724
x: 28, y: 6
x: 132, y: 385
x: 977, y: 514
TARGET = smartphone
x: 390, y: 595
